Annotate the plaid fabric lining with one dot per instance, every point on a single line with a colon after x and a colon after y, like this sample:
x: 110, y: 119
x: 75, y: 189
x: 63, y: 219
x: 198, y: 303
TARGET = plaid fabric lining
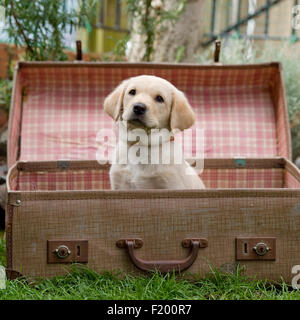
x: 242, y: 178
x: 99, y: 179
x: 66, y: 180
x: 62, y: 110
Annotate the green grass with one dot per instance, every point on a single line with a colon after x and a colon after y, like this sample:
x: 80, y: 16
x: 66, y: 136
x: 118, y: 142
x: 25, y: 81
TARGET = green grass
x: 82, y: 284
x: 87, y: 284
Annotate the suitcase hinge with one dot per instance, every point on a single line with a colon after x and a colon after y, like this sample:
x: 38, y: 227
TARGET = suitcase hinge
x: 63, y: 165
x: 240, y: 163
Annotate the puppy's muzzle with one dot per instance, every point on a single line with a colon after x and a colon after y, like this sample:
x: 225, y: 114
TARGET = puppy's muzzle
x: 139, y: 109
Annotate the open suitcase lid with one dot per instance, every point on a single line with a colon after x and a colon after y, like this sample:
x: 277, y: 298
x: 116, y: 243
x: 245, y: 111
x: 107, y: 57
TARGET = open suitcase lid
x: 57, y: 108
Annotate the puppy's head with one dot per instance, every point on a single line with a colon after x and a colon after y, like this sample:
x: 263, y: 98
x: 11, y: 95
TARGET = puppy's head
x: 151, y: 102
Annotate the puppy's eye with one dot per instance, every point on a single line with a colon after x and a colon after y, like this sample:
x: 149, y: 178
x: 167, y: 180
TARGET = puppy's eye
x: 132, y: 92
x: 159, y: 99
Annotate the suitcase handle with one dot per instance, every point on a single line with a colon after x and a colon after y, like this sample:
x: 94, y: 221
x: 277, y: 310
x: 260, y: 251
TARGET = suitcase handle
x: 163, y: 266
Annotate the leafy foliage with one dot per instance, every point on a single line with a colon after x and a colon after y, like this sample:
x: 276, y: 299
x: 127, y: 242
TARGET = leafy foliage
x: 119, y: 51
x: 5, y: 93
x: 151, y: 20
x: 40, y: 25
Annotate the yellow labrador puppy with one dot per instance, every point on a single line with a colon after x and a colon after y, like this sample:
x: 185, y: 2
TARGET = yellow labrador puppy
x: 150, y: 109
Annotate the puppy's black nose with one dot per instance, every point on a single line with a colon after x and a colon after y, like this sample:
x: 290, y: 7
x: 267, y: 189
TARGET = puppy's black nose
x: 139, y: 109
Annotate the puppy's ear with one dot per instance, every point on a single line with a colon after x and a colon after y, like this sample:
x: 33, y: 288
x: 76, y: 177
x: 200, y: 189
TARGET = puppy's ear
x: 182, y: 116
x: 114, y: 102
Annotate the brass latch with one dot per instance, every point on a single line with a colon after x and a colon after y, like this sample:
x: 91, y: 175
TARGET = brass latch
x: 254, y: 248
x: 67, y: 251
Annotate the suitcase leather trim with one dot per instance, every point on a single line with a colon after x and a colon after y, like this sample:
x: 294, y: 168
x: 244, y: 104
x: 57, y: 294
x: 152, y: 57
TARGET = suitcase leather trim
x: 13, y: 274
x: 8, y: 232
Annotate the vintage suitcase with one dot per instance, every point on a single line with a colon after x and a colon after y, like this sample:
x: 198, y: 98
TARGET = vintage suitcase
x: 61, y: 209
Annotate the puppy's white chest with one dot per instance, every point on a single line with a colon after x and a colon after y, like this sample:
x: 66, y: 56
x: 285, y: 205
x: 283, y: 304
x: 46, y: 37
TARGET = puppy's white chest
x: 147, y: 177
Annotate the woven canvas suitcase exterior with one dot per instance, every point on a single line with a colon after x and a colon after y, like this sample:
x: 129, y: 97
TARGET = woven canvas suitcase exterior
x: 61, y: 209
